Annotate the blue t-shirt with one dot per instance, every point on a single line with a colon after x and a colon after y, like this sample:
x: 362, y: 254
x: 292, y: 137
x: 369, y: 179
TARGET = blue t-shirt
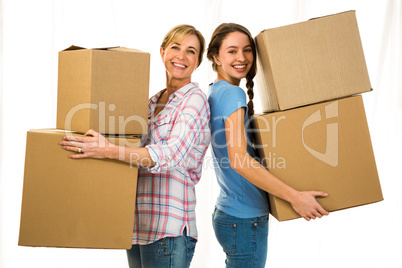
x: 238, y: 197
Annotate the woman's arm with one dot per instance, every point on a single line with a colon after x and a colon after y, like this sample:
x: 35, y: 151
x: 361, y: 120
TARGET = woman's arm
x: 95, y: 145
x: 188, y: 137
x: 304, y: 203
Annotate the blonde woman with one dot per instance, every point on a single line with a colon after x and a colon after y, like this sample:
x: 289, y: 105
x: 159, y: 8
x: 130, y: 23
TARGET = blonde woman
x: 165, y: 232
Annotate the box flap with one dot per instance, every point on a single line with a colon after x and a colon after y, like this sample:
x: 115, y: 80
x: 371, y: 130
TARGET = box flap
x: 116, y: 48
x: 125, y: 49
x: 104, y: 48
x: 72, y: 47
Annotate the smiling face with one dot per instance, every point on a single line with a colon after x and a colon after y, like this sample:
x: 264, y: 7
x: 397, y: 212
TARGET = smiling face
x: 235, y: 58
x: 181, y: 58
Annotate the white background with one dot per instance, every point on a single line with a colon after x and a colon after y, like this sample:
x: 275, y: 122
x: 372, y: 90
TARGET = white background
x: 32, y: 33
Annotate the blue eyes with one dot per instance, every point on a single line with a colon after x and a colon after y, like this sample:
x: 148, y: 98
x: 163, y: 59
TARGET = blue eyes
x: 235, y: 51
x: 178, y: 48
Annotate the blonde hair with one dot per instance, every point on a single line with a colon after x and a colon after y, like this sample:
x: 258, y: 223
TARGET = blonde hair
x: 177, y: 33
x: 217, y: 38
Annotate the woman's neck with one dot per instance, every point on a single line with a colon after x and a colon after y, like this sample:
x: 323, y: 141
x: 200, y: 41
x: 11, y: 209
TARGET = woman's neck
x: 227, y: 78
x: 172, y: 84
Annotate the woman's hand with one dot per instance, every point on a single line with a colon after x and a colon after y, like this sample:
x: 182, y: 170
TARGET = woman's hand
x: 306, y: 205
x: 93, y: 145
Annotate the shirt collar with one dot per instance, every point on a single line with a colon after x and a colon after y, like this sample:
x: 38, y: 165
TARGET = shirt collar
x: 183, y: 90
x: 155, y: 98
x: 178, y: 93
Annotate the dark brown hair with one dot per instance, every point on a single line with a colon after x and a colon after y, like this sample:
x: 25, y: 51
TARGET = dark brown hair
x: 217, y: 38
x: 177, y: 33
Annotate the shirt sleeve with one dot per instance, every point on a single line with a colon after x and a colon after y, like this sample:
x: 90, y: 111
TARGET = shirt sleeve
x: 189, y: 137
x: 231, y: 100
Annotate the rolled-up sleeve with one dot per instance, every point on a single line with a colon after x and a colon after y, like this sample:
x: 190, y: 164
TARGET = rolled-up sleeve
x: 188, y: 137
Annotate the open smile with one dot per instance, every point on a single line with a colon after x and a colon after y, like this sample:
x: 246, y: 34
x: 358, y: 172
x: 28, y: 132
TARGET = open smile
x: 240, y: 67
x: 178, y: 65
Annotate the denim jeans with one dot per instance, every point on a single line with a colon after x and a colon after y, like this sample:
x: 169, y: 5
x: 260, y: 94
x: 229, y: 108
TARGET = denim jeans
x: 169, y: 252
x: 245, y: 241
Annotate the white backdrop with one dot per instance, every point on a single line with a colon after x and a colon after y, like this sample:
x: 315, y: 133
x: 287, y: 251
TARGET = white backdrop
x: 32, y: 33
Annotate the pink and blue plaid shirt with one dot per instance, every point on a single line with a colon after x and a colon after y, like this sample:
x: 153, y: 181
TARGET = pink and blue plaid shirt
x: 177, y: 140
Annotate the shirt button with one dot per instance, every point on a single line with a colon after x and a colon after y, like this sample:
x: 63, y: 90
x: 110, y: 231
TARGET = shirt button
x: 163, y: 243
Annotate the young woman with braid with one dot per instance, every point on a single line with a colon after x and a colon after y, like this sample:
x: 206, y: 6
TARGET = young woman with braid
x: 240, y: 219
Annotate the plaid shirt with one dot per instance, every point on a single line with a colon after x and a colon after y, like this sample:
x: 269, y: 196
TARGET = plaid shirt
x: 177, y: 140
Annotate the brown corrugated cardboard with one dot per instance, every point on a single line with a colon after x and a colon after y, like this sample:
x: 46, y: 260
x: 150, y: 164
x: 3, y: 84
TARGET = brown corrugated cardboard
x: 80, y: 203
x: 324, y: 147
x: 309, y: 62
x: 103, y: 89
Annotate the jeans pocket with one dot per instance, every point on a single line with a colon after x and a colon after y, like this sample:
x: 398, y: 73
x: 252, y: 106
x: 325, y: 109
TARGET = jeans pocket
x: 165, y: 247
x: 262, y: 220
x: 225, y: 233
x: 191, y: 243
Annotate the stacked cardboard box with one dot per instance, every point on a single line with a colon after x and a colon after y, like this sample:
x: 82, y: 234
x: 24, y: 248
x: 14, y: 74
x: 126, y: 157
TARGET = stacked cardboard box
x: 87, y: 203
x: 313, y: 134
x: 103, y: 89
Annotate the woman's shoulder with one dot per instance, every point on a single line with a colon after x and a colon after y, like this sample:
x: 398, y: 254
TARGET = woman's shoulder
x: 224, y: 89
x: 223, y: 84
x: 194, y: 96
x: 195, y: 91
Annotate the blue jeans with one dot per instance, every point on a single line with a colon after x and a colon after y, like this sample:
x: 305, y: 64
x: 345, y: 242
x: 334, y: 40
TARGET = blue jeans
x: 245, y: 241
x: 169, y: 252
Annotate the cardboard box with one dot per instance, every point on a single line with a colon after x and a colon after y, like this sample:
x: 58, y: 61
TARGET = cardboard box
x: 324, y: 147
x: 309, y: 62
x: 103, y: 89
x: 79, y: 203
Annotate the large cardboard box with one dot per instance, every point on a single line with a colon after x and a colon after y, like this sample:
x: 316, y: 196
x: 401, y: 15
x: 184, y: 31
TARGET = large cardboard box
x: 103, y: 89
x: 79, y: 203
x: 325, y: 147
x: 309, y: 62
